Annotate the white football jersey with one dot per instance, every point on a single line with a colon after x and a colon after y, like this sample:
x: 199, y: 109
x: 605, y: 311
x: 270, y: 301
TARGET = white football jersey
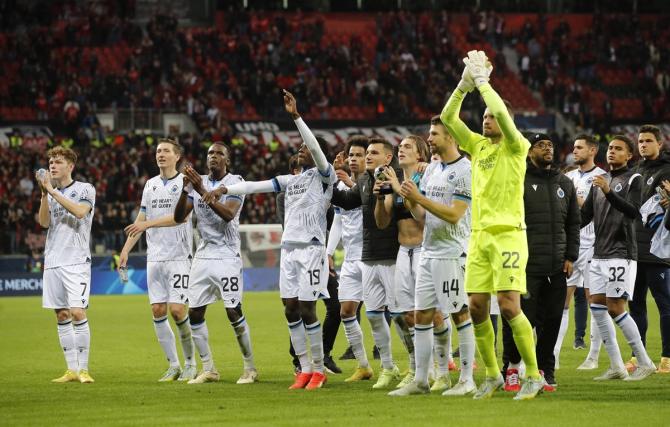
x: 352, y: 230
x: 583, y: 182
x: 218, y: 238
x: 444, y: 183
x: 307, y: 200
x: 68, y: 238
x: 159, y: 198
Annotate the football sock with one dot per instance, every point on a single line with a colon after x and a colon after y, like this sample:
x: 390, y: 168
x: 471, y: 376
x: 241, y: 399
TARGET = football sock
x: 354, y: 334
x: 166, y: 339
x: 66, y: 338
x: 184, y: 327
x: 316, y: 344
x: 466, y: 346
x: 608, y: 335
x: 632, y: 334
x: 561, y: 332
x: 484, y: 336
x: 596, y: 341
x: 525, y: 343
x: 82, y: 340
x: 424, y: 347
x: 241, y: 329
x: 201, y: 340
x: 441, y: 336
x: 382, y: 336
x: 299, y: 340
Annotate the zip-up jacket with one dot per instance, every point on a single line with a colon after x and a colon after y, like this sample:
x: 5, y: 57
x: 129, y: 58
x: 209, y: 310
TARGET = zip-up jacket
x: 552, y: 218
x: 613, y: 215
x: 378, y: 244
x: 652, y: 173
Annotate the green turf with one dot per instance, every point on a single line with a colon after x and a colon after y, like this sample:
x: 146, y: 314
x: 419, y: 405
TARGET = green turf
x: 126, y: 361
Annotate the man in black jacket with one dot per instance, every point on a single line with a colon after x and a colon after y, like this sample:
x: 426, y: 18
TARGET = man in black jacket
x: 652, y: 272
x: 553, y: 220
x: 380, y: 248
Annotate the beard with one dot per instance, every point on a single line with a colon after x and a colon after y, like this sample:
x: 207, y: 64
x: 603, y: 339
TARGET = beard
x: 580, y: 162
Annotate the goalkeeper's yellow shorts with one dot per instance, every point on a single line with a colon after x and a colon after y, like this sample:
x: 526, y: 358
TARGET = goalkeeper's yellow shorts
x: 496, y: 260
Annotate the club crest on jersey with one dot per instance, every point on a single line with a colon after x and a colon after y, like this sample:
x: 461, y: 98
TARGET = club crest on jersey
x: 560, y: 193
x: 589, y: 180
x: 650, y: 180
x: 451, y: 176
x: 618, y: 187
x: 153, y: 188
x: 657, y: 197
x: 174, y: 188
x: 73, y: 194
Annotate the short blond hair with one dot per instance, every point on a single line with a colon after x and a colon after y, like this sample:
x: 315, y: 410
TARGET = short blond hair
x: 64, y: 152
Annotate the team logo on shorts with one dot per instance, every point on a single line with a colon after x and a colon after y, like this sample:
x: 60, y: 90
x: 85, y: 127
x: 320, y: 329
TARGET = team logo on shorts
x: 451, y: 176
x: 650, y: 180
x: 560, y: 192
x: 618, y: 187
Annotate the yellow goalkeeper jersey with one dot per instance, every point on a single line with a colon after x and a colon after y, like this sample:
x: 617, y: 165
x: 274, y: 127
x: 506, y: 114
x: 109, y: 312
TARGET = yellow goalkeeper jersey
x: 498, y: 170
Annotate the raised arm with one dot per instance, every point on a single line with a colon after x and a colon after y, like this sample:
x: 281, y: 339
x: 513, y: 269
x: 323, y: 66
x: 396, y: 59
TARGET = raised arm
x: 450, y: 117
x: 307, y: 136
x: 497, y: 107
x: 79, y: 209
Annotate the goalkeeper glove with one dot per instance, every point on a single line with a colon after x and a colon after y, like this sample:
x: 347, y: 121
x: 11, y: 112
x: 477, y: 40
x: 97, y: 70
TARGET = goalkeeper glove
x: 466, y: 84
x: 478, y: 66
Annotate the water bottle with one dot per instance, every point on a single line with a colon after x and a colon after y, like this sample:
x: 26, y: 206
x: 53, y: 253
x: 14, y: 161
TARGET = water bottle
x: 123, y: 274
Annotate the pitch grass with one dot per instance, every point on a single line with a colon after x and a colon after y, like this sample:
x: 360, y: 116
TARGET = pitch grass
x: 126, y: 361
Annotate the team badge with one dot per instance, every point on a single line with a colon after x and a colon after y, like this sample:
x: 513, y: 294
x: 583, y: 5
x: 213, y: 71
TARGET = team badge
x: 650, y: 180
x: 560, y: 192
x: 73, y: 194
x: 657, y: 198
x: 589, y: 180
x: 618, y: 187
x: 451, y: 176
x: 174, y: 188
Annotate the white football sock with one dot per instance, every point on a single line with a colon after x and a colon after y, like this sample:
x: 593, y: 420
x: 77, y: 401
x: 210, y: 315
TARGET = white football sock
x: 632, y: 334
x: 441, y: 338
x: 166, y: 339
x: 382, y: 336
x: 561, y: 332
x: 354, y: 334
x: 596, y: 341
x: 299, y: 340
x: 466, y: 347
x: 608, y: 334
x: 66, y: 338
x: 316, y: 345
x: 406, y: 337
x: 241, y: 329
x: 186, y: 337
x: 201, y: 340
x: 424, y: 347
x: 82, y: 340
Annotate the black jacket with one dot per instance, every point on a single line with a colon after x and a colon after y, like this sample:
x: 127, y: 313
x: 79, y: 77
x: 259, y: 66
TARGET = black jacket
x: 552, y: 218
x: 613, y: 215
x: 652, y: 172
x: 377, y: 244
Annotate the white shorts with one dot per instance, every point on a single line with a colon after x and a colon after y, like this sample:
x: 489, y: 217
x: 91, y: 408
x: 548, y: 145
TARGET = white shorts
x: 67, y: 287
x: 494, y: 308
x: 378, y: 285
x: 440, y: 284
x: 613, y: 277
x: 216, y: 279
x: 351, y: 281
x: 406, y: 267
x: 303, y: 273
x: 168, y: 281
x: 580, y: 270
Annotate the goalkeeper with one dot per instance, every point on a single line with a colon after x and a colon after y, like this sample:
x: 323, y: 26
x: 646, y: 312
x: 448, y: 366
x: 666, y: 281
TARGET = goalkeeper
x: 498, y: 249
